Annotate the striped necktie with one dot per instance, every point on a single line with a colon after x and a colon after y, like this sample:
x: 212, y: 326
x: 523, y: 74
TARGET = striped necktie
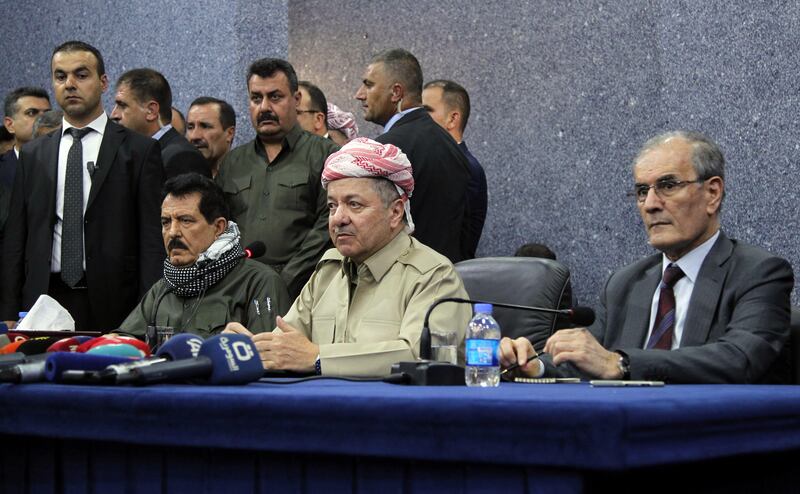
x: 664, y: 326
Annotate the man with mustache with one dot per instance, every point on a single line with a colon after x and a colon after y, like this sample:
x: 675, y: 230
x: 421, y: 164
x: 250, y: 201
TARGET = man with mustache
x: 707, y: 309
x: 206, y: 282
x: 273, y: 182
x: 363, y: 308
x: 211, y: 127
x: 83, y: 223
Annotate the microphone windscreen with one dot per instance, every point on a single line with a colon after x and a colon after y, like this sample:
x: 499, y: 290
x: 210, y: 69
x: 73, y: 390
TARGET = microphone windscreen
x: 4, y: 340
x: 116, y: 350
x: 181, y: 346
x: 136, y: 342
x: 59, y: 362
x: 13, y: 346
x: 255, y: 249
x: 68, y: 344
x: 37, y: 345
x: 234, y: 359
x: 582, y: 316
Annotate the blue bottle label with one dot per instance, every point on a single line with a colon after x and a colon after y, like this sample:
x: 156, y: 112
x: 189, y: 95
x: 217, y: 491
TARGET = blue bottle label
x: 482, y: 353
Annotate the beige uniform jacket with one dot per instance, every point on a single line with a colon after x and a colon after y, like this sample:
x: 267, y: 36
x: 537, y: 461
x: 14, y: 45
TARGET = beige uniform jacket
x: 363, y: 329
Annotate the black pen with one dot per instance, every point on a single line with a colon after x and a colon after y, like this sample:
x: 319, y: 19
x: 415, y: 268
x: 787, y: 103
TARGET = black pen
x: 515, y: 366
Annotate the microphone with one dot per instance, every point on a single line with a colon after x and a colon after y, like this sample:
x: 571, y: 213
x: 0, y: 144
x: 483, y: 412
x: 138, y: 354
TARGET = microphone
x: 427, y: 373
x: 223, y: 359
x: 38, y: 368
x: 91, y: 168
x: 181, y: 346
x: 58, y: 363
x: 254, y: 249
x: 68, y: 344
x: 117, y: 350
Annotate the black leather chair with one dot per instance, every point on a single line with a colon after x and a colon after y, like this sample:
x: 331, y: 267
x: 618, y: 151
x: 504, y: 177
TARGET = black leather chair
x: 528, y: 281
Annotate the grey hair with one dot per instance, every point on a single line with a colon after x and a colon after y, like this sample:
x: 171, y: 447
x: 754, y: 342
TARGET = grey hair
x: 387, y: 192
x: 707, y: 156
x: 50, y: 118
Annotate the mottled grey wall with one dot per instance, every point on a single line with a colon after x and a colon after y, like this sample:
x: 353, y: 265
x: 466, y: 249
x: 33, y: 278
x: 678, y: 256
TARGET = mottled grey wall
x: 203, y: 47
x: 563, y: 94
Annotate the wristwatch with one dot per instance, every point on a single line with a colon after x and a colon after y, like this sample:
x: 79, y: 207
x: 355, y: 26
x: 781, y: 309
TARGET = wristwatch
x: 624, y: 364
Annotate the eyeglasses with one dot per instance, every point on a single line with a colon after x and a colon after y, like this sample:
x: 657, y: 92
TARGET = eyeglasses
x: 664, y: 188
x: 299, y: 112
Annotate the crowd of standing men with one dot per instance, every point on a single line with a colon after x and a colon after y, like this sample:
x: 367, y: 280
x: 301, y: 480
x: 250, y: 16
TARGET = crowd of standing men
x: 79, y: 207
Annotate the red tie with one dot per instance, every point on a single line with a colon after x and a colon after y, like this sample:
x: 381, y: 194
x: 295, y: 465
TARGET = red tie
x: 664, y: 327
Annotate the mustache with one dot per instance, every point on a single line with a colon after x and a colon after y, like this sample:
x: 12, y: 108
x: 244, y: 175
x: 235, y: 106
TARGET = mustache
x: 340, y: 231
x: 268, y: 117
x: 176, y: 244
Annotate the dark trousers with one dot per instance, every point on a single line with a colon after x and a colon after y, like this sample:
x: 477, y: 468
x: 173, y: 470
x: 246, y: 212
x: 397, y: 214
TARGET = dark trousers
x: 75, y: 300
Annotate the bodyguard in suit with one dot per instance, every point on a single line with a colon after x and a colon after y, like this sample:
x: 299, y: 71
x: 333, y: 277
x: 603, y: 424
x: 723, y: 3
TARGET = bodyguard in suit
x: 83, y: 225
x: 143, y: 103
x: 708, y: 309
x: 391, y: 95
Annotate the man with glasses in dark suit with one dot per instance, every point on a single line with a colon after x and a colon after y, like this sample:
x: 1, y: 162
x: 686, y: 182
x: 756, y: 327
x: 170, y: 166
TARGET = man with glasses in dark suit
x: 707, y: 309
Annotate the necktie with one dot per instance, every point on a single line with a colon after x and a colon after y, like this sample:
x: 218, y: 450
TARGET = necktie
x: 72, y: 223
x: 664, y: 326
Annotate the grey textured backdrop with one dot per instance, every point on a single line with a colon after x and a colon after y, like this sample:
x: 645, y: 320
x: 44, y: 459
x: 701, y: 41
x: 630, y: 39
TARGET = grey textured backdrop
x: 564, y: 92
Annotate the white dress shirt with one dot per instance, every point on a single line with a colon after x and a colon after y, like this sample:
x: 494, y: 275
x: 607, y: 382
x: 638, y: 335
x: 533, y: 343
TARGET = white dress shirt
x: 91, y: 148
x: 396, y: 117
x: 690, y: 265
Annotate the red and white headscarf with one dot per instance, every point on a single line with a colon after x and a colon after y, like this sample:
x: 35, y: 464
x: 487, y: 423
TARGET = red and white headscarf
x: 343, y: 121
x: 365, y: 158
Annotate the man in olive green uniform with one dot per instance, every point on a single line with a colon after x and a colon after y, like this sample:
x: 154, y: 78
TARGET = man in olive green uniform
x: 206, y: 282
x: 363, y: 308
x: 273, y: 182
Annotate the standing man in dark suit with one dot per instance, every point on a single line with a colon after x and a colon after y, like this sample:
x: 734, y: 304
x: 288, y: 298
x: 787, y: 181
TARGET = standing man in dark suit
x: 707, y: 309
x: 22, y: 106
x: 143, y: 103
x: 448, y: 105
x: 83, y: 226
x: 391, y: 95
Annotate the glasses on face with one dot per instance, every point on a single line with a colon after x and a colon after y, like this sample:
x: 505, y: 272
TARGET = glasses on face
x: 664, y: 188
x: 300, y: 112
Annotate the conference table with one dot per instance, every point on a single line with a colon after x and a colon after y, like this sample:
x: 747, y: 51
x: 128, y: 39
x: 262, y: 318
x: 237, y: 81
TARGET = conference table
x: 338, y: 436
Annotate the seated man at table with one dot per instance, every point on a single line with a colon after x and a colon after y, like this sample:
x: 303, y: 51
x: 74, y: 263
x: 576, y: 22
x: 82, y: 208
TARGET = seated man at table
x: 707, y: 309
x: 363, y: 308
x: 207, y: 282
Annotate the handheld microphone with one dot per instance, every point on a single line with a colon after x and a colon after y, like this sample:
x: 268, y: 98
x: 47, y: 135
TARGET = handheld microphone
x: 58, y: 363
x: 181, y: 346
x: 117, y: 350
x: 36, y: 345
x: 223, y: 359
x: 254, y: 249
x: 68, y: 344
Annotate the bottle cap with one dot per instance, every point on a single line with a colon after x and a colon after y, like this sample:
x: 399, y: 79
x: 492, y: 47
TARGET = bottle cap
x: 22, y: 314
x: 483, y: 309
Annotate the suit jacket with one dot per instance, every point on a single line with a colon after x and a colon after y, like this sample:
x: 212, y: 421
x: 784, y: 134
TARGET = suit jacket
x: 439, y: 203
x: 180, y: 156
x: 122, y: 238
x: 736, y: 327
x: 8, y: 167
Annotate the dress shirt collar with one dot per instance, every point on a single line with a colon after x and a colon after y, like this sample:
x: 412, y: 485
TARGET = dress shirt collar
x: 691, y: 263
x: 396, y: 117
x: 98, y: 124
x: 163, y: 130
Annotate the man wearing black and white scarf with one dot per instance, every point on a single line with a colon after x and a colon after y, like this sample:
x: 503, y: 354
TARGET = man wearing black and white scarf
x: 207, y: 282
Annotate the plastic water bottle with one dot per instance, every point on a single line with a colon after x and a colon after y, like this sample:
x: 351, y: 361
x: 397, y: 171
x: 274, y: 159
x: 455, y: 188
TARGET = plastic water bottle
x: 483, y: 342
x: 21, y: 317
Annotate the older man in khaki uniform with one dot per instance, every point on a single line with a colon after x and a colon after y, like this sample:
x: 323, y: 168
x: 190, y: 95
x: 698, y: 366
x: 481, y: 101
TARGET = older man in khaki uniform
x: 363, y: 308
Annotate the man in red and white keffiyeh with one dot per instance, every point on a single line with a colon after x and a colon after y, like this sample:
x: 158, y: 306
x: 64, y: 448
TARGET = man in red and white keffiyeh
x: 343, y: 123
x: 365, y: 158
